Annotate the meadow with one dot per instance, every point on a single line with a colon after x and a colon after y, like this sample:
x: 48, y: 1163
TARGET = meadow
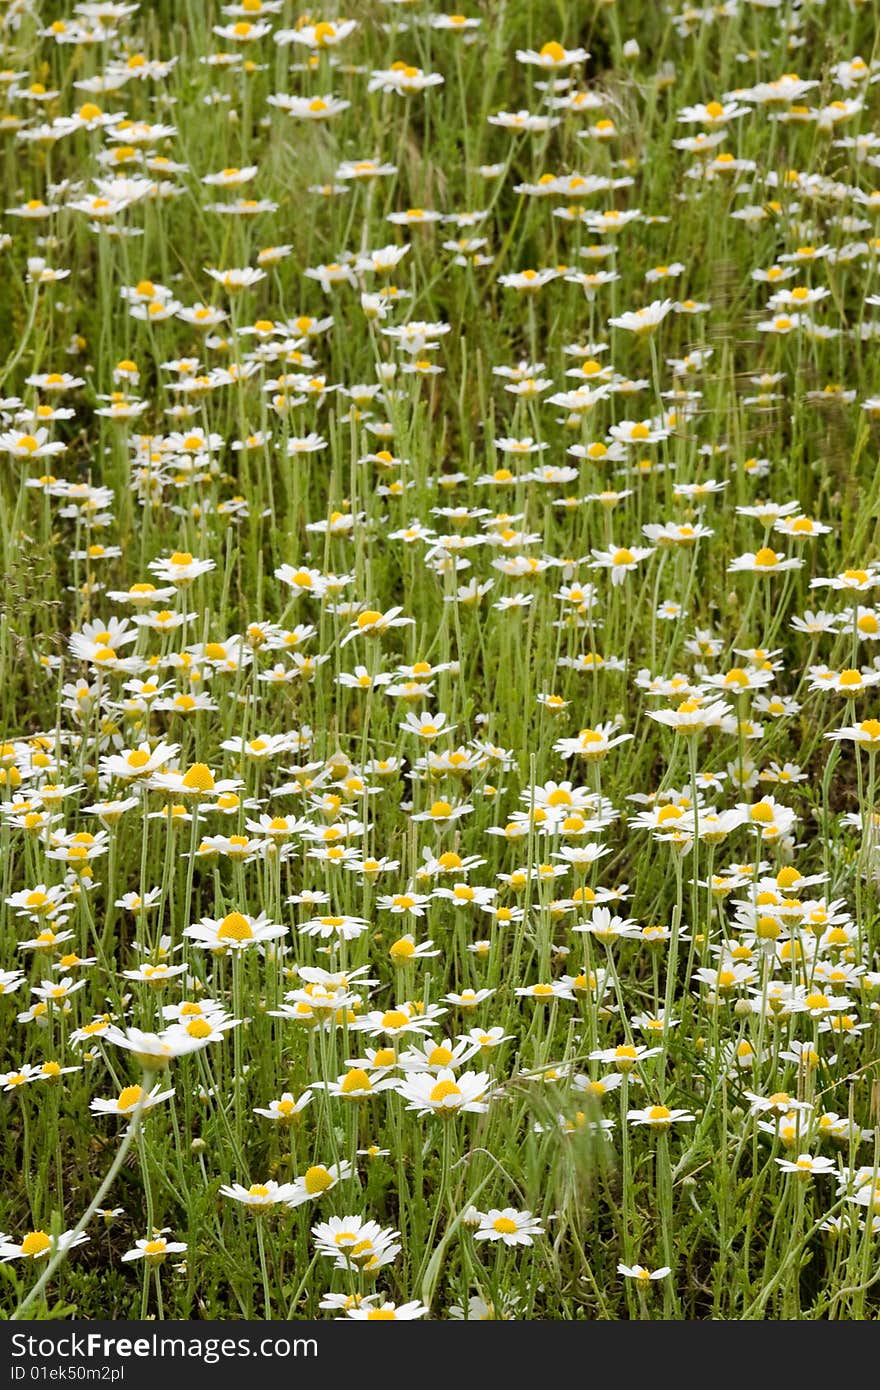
x: 439, y: 509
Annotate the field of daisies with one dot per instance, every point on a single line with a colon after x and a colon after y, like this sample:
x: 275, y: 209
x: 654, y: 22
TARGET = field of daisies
x: 440, y: 672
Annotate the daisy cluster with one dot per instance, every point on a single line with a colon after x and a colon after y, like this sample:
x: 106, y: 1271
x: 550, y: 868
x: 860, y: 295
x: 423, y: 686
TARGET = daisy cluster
x: 439, y: 746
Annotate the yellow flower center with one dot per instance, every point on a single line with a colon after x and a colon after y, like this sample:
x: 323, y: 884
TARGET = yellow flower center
x: 199, y: 777
x: 768, y: 929
x: 356, y: 1080
x: 659, y: 1113
x: 317, y: 1180
x: 449, y: 860
x: 789, y: 876
x: 559, y: 797
x: 235, y: 927
x: 442, y: 1090
x: 395, y: 1018
x: 765, y: 557
x: 35, y: 1243
x: 736, y: 676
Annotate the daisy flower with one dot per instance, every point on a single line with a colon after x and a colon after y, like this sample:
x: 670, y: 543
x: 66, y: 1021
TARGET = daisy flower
x: 444, y: 1093
x: 763, y: 561
x: 130, y: 1099
x: 508, y: 1225
x: 642, y: 1274
x: 659, y: 1116
x: 620, y: 561
x: 36, y: 1245
x: 387, y: 1312
x: 236, y: 931
x: 154, y: 1249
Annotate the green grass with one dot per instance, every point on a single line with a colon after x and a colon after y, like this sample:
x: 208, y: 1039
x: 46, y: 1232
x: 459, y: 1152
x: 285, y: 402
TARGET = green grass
x: 706, y: 1195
